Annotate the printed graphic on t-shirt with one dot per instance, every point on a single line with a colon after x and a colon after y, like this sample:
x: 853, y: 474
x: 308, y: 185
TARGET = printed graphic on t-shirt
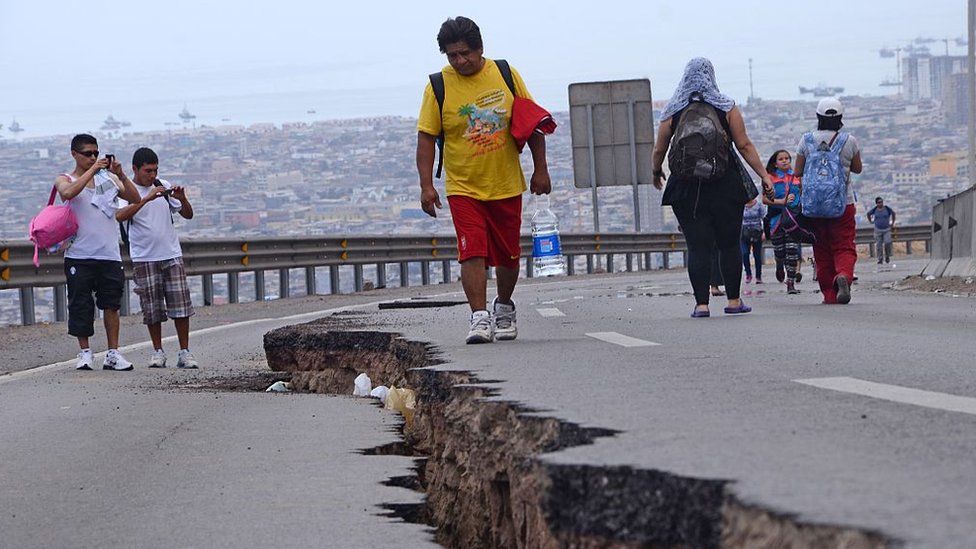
x: 486, y: 122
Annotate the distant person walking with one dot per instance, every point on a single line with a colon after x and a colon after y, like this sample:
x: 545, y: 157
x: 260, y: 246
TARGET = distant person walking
x: 786, y: 193
x: 157, y: 258
x: 883, y: 218
x: 826, y: 157
x: 484, y: 182
x: 751, y: 238
x: 705, y: 189
x: 93, y: 262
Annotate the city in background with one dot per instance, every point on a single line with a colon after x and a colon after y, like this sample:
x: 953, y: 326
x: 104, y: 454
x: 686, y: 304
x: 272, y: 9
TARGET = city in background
x: 358, y: 176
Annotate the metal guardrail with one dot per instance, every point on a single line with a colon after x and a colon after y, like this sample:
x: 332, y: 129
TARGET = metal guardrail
x: 208, y: 257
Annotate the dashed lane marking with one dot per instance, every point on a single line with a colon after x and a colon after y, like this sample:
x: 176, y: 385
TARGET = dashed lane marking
x: 621, y: 339
x: 549, y: 312
x: 895, y: 393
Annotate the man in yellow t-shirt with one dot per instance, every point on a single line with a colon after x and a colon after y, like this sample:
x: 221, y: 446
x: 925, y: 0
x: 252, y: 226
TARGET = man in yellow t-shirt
x: 484, y: 182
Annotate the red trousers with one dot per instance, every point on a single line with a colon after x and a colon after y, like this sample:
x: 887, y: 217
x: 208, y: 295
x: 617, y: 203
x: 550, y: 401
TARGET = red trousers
x: 835, y: 251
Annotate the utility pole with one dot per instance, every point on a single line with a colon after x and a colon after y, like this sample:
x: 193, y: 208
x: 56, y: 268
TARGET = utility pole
x: 971, y: 104
x: 752, y: 94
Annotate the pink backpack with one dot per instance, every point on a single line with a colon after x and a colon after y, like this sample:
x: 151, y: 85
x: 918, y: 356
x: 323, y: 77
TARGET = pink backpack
x: 53, y: 228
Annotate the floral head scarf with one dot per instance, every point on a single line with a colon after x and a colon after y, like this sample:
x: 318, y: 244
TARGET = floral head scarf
x: 699, y: 77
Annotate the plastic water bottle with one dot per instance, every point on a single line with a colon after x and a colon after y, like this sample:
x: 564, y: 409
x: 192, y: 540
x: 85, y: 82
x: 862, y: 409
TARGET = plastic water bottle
x: 547, y: 255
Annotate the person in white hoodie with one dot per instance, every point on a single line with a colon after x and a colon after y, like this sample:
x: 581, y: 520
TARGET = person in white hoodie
x: 157, y: 257
x: 93, y: 262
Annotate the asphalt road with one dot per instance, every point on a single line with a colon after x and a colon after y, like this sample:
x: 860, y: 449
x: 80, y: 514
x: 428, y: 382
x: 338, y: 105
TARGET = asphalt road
x: 811, y: 410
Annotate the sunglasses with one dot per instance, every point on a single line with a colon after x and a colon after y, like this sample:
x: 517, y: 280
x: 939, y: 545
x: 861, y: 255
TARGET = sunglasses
x: 89, y: 154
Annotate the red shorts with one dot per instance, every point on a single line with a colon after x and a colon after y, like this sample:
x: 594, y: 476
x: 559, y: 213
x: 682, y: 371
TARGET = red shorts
x: 489, y: 229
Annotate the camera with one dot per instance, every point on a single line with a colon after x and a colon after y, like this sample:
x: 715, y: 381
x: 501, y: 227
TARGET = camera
x: 110, y: 158
x: 158, y: 183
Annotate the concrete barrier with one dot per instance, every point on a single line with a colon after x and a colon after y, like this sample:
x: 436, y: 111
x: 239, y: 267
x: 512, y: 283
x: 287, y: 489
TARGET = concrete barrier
x: 953, y: 247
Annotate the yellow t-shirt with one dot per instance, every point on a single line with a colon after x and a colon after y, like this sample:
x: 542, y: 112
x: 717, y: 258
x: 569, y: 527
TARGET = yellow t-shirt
x: 481, y: 159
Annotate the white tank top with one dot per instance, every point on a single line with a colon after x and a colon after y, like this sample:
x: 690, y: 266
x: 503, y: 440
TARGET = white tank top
x: 98, y: 234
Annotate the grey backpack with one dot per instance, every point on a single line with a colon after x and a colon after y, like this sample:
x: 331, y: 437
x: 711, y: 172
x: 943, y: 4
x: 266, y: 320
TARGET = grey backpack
x: 700, y: 145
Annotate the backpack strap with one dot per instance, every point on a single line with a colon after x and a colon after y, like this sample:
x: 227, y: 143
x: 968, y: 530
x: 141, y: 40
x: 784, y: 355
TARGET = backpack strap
x: 437, y: 85
x: 506, y: 71
x: 54, y: 192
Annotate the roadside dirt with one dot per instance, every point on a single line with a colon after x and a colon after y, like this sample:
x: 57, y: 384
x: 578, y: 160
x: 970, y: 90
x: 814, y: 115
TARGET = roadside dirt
x: 949, y: 285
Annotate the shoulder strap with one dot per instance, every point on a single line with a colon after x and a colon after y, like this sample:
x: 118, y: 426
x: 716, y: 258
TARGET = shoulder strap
x: 437, y: 86
x: 506, y: 71
x: 54, y: 192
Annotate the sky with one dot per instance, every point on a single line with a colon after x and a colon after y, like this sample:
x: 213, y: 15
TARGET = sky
x: 371, y: 57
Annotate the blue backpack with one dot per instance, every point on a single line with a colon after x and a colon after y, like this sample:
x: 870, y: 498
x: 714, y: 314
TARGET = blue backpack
x: 824, y: 181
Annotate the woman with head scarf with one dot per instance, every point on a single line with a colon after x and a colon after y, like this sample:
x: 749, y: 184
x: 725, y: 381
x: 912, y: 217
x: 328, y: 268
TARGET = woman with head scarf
x: 709, y: 210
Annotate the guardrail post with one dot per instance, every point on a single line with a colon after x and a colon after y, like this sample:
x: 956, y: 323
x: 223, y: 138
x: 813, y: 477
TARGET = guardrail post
x: 609, y: 263
x: 334, y: 279
x: 648, y: 261
x: 310, y: 288
x: 258, y: 285
x: 124, y: 305
x: 665, y: 260
x: 60, y: 302
x: 207, y: 290
x: 928, y: 246
x: 284, y: 283
x: 27, y: 306
x: 684, y: 258
x: 630, y: 262
x: 589, y: 263
x: 570, y: 265
x: 871, y: 249
x: 529, y: 267
x: 357, y: 276
x: 425, y: 273
x: 446, y: 270
x: 908, y: 247
x: 381, y: 275
x: 233, y: 288
x: 404, y: 274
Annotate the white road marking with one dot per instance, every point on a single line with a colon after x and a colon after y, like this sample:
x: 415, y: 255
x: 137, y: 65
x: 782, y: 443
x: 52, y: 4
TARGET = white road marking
x: 895, y: 393
x: 549, y: 312
x: 620, y: 339
x: 146, y: 344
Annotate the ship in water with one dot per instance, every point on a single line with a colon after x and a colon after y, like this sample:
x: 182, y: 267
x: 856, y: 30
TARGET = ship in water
x: 822, y: 90
x: 186, y: 115
x: 111, y: 123
x: 15, y: 127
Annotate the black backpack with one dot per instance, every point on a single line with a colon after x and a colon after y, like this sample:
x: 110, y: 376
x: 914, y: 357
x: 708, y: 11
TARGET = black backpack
x: 700, y: 146
x: 437, y: 84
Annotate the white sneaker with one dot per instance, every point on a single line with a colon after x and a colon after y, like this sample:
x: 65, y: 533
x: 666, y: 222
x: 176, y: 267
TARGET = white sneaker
x: 504, y: 315
x: 115, y: 361
x: 481, y: 328
x: 157, y: 359
x: 184, y: 359
x: 85, y: 360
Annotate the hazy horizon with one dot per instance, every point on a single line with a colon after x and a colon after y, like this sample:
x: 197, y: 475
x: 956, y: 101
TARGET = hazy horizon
x: 372, y: 58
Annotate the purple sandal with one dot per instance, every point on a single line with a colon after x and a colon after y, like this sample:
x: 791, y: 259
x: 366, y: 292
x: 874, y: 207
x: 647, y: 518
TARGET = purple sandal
x: 742, y: 308
x: 700, y: 314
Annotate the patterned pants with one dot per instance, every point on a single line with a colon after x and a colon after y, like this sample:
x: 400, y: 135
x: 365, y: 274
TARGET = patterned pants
x: 787, y: 252
x: 162, y: 290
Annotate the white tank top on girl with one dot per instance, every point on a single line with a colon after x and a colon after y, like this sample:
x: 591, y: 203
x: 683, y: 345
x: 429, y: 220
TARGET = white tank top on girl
x: 98, y: 234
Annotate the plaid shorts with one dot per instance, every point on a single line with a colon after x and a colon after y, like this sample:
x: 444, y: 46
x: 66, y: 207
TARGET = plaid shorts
x: 162, y: 290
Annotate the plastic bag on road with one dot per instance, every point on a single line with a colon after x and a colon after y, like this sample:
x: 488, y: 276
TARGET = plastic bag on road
x: 363, y: 385
x: 278, y: 387
x: 403, y: 401
x: 380, y: 392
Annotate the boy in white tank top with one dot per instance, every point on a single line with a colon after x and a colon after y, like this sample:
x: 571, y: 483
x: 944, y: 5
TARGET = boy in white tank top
x: 93, y: 264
